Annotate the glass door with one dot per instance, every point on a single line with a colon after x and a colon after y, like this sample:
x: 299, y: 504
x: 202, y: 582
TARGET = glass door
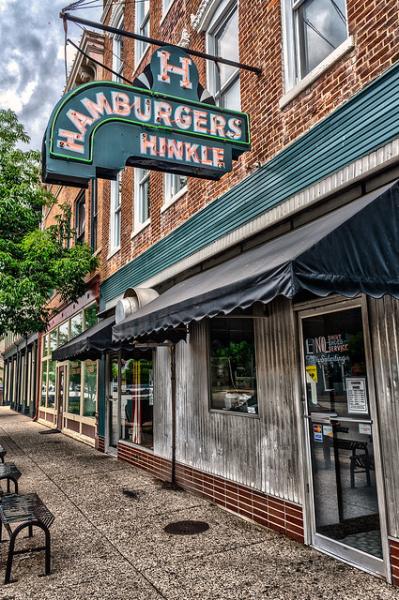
x: 112, y: 405
x: 340, y: 430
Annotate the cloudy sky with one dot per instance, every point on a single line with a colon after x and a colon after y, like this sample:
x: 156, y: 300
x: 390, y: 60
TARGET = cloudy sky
x: 32, y: 69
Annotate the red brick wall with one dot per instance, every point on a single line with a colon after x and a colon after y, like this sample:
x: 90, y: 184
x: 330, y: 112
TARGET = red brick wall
x: 268, y: 511
x: 394, y: 551
x: 374, y: 27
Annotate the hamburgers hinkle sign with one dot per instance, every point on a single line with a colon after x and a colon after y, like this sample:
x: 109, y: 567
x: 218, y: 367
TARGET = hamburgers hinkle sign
x: 164, y: 121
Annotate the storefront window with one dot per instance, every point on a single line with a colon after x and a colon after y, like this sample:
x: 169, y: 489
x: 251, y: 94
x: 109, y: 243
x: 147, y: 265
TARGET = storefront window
x: 45, y: 345
x: 63, y: 333
x: 51, y: 384
x: 90, y: 388
x: 90, y: 316
x: 43, y: 384
x: 76, y: 325
x: 53, y: 339
x: 74, y: 387
x: 232, y: 358
x: 137, y: 400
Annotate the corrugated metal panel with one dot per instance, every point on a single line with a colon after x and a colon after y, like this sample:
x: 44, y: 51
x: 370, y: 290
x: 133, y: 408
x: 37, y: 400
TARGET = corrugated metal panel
x: 362, y: 124
x: 384, y: 324
x: 162, y: 404
x: 258, y: 452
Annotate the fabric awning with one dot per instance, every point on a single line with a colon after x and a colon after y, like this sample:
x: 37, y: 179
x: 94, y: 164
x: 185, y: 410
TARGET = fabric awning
x: 352, y: 250
x: 89, y: 344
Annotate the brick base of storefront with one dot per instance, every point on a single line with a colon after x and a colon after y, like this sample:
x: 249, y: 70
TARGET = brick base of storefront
x: 394, y: 552
x: 100, y: 443
x: 269, y: 511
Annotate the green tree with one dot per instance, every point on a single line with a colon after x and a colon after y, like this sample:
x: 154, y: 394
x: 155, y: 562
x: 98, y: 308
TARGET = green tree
x: 33, y: 262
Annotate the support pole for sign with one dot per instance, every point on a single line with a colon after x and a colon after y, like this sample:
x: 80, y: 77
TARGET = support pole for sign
x: 148, y: 40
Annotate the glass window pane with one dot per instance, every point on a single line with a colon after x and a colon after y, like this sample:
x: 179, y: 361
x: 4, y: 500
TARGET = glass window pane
x: 231, y: 96
x: 63, y: 333
x: 44, y: 384
x: 323, y: 27
x: 90, y: 388
x: 51, y: 384
x: 90, y: 316
x: 53, y: 339
x: 74, y: 386
x: 45, y: 345
x: 76, y: 325
x: 137, y: 401
x: 233, y: 375
x: 226, y: 46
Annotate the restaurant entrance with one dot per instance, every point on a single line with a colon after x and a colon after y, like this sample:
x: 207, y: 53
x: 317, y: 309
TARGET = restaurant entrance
x: 346, y: 511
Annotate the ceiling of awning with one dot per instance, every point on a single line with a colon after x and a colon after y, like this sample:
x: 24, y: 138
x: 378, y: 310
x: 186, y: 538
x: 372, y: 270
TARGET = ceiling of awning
x: 352, y: 250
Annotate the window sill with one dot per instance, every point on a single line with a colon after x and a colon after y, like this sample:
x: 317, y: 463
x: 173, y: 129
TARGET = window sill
x: 113, y: 252
x: 165, y: 14
x: 176, y: 197
x: 133, y: 445
x: 139, y: 228
x: 234, y: 413
x: 332, y: 58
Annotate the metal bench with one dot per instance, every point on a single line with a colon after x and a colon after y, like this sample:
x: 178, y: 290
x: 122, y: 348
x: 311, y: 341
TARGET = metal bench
x: 9, y: 472
x: 3, y: 452
x: 25, y: 511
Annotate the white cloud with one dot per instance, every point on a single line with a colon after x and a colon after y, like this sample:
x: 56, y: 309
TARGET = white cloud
x: 32, y: 70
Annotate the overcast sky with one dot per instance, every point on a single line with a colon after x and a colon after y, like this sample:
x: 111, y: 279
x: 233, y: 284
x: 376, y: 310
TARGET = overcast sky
x: 32, y: 71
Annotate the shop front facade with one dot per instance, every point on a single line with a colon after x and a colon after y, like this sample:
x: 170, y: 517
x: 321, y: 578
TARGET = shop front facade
x: 20, y: 373
x: 272, y: 399
x: 68, y: 388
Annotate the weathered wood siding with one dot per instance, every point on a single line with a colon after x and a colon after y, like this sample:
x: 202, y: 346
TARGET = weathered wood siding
x: 259, y: 452
x: 384, y: 325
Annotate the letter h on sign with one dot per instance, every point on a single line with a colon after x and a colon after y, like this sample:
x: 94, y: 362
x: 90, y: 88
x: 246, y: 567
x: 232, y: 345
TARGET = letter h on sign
x: 166, y: 67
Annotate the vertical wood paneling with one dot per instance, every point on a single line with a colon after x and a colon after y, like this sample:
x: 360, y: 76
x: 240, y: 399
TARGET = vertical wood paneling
x: 258, y: 452
x: 384, y: 325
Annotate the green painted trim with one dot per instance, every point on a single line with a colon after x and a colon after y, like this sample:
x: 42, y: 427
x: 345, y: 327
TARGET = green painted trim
x: 362, y: 124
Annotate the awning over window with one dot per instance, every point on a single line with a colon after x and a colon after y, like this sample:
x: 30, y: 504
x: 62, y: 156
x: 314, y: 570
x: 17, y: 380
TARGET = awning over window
x: 89, y: 344
x: 352, y: 250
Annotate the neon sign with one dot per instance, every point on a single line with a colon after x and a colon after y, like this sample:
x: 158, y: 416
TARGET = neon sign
x: 164, y: 121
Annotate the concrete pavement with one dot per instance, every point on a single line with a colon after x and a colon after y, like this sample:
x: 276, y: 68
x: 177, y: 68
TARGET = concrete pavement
x: 108, y: 546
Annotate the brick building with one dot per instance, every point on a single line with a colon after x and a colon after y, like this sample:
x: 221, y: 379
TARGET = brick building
x: 279, y: 403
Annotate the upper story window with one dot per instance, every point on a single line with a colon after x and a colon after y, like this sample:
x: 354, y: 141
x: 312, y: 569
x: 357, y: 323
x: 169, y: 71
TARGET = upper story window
x: 166, y: 4
x: 80, y: 218
x: 115, y: 214
x: 141, y: 198
x: 313, y: 30
x: 117, y: 53
x: 175, y: 187
x: 142, y: 27
x: 223, y: 40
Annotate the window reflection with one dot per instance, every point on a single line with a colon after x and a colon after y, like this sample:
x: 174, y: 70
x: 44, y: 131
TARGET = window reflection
x: 137, y: 400
x: 232, y: 356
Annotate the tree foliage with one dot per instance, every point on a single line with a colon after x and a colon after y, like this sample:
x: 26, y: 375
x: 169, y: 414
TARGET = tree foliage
x: 34, y: 262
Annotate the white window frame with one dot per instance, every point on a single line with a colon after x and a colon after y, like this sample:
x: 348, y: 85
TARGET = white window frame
x: 141, y: 177
x: 221, y: 13
x: 291, y: 50
x: 166, y: 6
x: 117, y: 58
x: 115, y: 214
x: 170, y: 196
x: 140, y: 27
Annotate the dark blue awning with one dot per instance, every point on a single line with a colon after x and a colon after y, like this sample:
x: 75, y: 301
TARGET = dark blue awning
x: 352, y: 250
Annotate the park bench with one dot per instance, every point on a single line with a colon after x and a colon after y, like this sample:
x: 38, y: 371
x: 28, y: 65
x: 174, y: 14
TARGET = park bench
x: 3, y: 452
x: 9, y: 472
x: 21, y: 512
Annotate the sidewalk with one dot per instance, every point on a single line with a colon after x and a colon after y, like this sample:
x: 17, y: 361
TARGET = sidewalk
x: 108, y: 546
